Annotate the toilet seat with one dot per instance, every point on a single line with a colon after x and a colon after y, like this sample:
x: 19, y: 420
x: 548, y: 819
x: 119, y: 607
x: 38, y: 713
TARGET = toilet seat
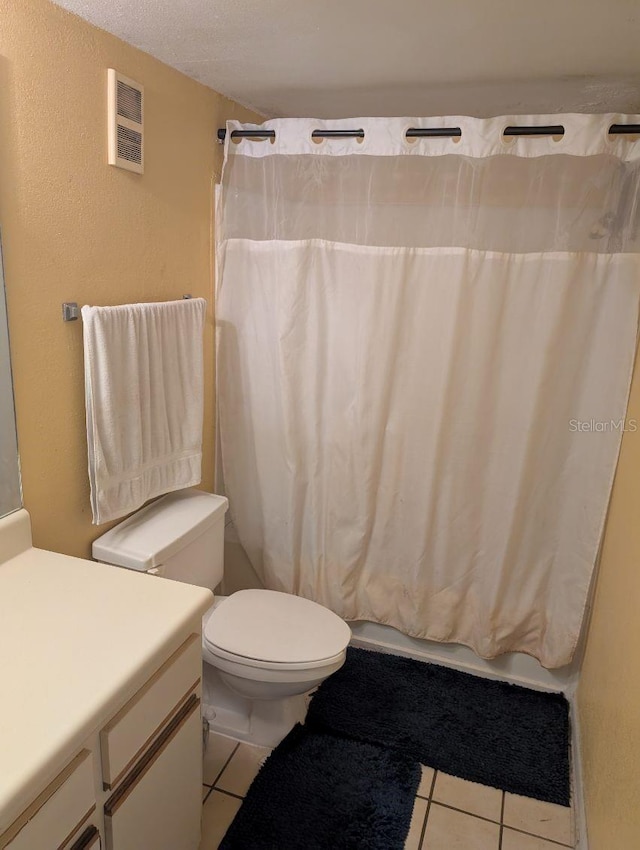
x: 275, y: 631
x: 282, y: 666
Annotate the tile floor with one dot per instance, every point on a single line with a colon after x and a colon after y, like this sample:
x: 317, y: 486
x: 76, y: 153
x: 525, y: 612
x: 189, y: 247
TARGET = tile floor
x: 448, y: 814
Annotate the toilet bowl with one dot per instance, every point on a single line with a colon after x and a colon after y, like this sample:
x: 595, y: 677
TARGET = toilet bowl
x: 268, y: 645
x: 263, y: 650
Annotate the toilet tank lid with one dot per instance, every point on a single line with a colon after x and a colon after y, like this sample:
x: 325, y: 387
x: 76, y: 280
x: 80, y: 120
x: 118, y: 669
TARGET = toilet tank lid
x: 151, y: 536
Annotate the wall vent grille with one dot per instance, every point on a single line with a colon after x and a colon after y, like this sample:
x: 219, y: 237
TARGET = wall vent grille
x: 126, y: 122
x: 129, y: 144
x: 129, y: 102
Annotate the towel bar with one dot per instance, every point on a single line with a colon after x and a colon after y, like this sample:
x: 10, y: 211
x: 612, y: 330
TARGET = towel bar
x: 71, y: 311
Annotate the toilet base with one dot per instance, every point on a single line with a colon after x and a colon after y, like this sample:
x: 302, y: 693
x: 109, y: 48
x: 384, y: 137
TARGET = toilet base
x: 261, y: 722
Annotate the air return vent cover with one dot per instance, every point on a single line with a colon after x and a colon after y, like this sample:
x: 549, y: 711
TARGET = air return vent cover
x: 126, y: 118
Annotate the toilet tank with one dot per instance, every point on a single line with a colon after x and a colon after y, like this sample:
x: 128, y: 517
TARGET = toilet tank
x: 180, y: 536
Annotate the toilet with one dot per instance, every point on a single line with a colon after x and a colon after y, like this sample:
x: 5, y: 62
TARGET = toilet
x: 263, y: 650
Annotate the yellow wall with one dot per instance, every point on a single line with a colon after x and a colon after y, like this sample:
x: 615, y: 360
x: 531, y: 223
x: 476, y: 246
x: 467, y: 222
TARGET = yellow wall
x: 76, y: 229
x: 609, y: 691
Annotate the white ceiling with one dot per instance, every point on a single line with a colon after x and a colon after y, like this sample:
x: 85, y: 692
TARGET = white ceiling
x: 344, y: 58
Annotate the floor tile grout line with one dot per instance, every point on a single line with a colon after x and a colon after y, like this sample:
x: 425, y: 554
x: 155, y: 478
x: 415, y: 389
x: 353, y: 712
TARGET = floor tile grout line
x: 208, y: 794
x: 225, y: 765
x: 465, y: 812
x: 426, y: 814
x: 501, y: 821
x: 228, y: 793
x: 541, y: 837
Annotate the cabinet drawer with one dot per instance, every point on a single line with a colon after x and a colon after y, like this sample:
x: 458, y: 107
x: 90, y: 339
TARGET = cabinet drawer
x: 57, y: 813
x: 124, y: 739
x: 159, y: 804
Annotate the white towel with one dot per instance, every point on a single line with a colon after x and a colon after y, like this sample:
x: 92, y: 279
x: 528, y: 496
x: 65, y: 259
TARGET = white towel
x: 143, y: 367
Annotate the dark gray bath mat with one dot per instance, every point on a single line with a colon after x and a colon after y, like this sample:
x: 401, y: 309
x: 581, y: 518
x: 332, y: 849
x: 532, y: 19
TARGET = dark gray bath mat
x: 507, y: 736
x: 317, y: 791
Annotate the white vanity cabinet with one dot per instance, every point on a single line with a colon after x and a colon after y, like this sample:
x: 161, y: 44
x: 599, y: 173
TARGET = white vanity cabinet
x: 137, y: 784
x: 100, y: 728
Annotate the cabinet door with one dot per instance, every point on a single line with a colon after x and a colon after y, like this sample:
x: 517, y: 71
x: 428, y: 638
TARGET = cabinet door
x: 158, y: 805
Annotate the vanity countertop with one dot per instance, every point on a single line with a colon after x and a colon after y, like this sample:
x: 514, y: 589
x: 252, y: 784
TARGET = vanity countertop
x: 74, y: 636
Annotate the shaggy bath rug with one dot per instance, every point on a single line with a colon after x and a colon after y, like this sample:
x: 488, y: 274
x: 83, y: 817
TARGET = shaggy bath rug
x: 507, y: 736
x: 318, y: 791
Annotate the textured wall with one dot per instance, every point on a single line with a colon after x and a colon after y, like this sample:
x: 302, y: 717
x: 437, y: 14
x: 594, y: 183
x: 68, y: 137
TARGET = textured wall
x: 76, y: 229
x: 609, y: 691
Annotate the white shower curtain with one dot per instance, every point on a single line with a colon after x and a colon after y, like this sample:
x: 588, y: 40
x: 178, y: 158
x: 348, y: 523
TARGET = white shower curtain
x: 424, y: 356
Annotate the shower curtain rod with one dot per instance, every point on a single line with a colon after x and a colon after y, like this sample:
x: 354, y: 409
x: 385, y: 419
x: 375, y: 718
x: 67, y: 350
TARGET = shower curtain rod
x: 419, y: 132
